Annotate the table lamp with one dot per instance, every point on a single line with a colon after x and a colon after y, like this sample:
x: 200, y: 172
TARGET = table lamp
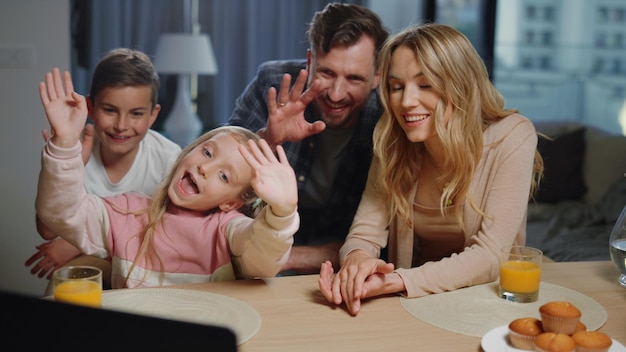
x: 184, y: 54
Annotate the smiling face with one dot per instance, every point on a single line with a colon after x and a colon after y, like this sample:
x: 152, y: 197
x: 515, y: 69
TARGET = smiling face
x: 122, y: 117
x: 347, y: 76
x: 213, y: 174
x: 412, y: 99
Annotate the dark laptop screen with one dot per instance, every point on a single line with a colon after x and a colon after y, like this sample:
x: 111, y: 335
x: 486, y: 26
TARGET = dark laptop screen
x: 31, y: 324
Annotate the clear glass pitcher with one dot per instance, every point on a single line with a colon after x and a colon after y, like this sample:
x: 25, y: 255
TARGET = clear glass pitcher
x: 617, y: 246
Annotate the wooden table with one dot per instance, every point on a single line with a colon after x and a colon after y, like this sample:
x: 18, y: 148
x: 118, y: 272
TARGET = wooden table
x: 295, y: 316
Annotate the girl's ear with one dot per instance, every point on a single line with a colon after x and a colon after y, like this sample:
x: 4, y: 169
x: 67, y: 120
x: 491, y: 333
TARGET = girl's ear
x: 231, y: 205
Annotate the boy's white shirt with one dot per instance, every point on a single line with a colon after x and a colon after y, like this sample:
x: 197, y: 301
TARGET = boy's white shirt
x: 153, y: 162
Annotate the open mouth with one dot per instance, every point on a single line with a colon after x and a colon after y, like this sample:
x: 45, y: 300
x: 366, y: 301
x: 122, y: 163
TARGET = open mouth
x: 187, y: 184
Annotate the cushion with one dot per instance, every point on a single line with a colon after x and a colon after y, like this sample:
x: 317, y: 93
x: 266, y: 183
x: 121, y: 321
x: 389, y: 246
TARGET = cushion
x: 563, y: 162
x: 605, y: 163
x: 553, y: 129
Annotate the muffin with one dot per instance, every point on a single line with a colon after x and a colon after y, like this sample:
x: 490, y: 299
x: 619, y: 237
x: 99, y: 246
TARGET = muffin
x: 554, y: 342
x: 559, y: 316
x: 580, y: 327
x: 522, y: 332
x: 592, y: 341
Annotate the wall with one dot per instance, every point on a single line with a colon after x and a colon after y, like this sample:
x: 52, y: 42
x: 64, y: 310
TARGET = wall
x: 41, y: 27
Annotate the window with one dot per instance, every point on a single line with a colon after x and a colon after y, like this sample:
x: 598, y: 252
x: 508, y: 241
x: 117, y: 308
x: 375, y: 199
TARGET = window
x: 577, y: 59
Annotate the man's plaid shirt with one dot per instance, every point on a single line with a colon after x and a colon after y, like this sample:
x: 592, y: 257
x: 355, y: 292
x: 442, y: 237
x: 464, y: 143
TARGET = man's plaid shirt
x: 333, y: 222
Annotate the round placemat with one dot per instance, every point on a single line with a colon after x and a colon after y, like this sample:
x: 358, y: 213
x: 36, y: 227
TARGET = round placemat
x: 475, y: 310
x: 187, y: 305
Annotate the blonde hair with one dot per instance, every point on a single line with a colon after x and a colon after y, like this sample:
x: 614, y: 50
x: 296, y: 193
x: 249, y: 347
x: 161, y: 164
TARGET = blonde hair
x: 458, y: 75
x: 160, y: 199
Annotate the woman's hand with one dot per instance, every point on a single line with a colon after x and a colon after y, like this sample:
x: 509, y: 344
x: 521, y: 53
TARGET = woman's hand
x: 360, y: 277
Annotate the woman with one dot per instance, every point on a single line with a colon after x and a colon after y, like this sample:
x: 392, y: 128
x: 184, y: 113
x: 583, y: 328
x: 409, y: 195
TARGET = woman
x: 450, y: 180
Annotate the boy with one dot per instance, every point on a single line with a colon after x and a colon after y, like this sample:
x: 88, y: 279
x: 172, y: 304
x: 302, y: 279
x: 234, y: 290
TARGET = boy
x: 126, y: 154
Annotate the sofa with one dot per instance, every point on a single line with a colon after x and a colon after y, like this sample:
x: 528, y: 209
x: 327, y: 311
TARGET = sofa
x: 582, y: 193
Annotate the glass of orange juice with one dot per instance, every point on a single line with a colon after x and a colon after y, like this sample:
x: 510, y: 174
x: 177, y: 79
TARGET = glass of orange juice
x: 520, y: 273
x: 78, y: 285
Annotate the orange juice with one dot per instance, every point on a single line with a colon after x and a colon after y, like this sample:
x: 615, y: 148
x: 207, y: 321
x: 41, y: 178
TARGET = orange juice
x: 82, y: 292
x: 520, y: 276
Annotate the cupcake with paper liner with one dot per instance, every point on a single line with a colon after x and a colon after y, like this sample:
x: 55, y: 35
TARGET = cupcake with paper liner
x: 522, y: 332
x: 592, y: 341
x: 580, y: 327
x: 554, y: 342
x: 560, y: 317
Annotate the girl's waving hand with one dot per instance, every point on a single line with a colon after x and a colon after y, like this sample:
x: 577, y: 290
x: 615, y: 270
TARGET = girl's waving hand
x: 274, y: 180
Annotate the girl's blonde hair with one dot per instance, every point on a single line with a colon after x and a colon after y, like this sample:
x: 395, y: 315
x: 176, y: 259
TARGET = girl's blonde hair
x: 160, y: 199
x: 458, y: 75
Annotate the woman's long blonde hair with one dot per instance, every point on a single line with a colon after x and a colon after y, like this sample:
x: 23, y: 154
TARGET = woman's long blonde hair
x: 458, y: 75
x: 161, y: 200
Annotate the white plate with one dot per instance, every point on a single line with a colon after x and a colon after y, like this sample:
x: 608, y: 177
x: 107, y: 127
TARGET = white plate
x: 496, y: 340
x: 187, y: 305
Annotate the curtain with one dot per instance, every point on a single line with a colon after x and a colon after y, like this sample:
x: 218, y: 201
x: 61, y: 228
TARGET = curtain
x: 244, y: 33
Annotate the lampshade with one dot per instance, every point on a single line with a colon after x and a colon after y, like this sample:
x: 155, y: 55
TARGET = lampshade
x: 185, y: 53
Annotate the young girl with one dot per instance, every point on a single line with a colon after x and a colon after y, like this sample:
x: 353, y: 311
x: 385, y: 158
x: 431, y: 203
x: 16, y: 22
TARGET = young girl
x: 450, y: 179
x: 191, y: 229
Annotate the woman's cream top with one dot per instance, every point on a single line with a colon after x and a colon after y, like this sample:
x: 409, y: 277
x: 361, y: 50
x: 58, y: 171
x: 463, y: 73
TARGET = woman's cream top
x: 500, y: 187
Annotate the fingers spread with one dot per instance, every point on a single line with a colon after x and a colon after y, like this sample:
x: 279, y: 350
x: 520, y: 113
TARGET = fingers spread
x: 33, y: 258
x: 283, y: 95
x: 69, y: 86
x: 312, y: 91
x: 298, y: 87
x: 58, y: 83
x: 271, y: 101
x: 43, y: 93
x: 282, y: 156
x: 267, y: 151
x: 257, y: 153
x: 250, y: 159
x: 51, y: 93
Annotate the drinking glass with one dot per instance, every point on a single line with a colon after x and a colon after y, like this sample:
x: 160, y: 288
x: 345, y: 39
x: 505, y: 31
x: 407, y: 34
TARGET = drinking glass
x: 520, y: 273
x: 78, y: 285
x: 617, y: 246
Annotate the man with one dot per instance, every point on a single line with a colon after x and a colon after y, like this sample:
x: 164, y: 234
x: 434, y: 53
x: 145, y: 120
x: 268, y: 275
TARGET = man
x: 327, y: 130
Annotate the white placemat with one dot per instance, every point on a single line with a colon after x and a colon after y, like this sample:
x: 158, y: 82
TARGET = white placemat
x: 475, y: 310
x: 187, y: 305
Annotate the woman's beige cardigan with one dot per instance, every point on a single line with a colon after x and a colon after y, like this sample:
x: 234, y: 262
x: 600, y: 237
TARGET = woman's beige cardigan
x: 500, y: 187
